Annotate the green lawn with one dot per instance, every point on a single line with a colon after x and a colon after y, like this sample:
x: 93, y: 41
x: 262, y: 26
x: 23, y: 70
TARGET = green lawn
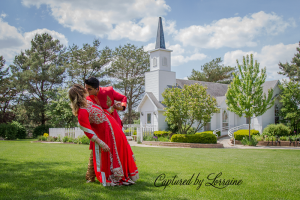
x: 57, y: 171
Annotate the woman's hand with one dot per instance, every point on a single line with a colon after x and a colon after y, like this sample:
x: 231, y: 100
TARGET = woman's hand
x: 104, y: 146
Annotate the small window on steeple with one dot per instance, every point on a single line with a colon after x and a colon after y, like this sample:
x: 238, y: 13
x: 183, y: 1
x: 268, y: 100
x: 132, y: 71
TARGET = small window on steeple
x: 154, y: 62
x: 164, y: 61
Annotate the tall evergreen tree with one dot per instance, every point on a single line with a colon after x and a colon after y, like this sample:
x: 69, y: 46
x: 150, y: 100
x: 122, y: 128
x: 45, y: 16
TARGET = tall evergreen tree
x: 88, y: 61
x: 38, y: 71
x: 128, y: 67
x: 213, y: 71
x: 7, y: 93
x: 245, y: 96
x: 291, y: 70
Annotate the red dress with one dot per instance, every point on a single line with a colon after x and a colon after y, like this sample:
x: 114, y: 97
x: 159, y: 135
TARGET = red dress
x: 118, y: 164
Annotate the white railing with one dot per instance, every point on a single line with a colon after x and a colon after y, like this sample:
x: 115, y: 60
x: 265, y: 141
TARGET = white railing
x: 234, y: 129
x: 145, y: 130
x: 62, y: 132
x: 131, y: 127
x: 224, y: 128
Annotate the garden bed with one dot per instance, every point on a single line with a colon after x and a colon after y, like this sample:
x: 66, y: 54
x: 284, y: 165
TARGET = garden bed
x: 270, y: 143
x: 178, y: 144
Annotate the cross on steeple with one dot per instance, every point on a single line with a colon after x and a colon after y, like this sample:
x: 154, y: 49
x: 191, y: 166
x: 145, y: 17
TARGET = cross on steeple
x: 160, y: 39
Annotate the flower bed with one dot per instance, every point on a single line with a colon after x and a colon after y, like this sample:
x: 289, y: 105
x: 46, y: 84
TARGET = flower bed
x: 178, y: 144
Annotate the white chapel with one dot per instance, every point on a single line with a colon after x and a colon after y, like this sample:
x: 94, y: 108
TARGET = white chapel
x: 160, y: 77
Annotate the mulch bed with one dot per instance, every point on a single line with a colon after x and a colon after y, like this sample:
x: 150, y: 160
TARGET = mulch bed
x: 177, y: 144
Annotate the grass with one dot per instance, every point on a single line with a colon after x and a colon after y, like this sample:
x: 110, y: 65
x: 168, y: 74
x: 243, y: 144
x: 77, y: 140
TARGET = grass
x: 57, y: 171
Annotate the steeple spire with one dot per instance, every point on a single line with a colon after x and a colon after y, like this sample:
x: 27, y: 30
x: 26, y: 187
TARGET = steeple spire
x: 160, y: 39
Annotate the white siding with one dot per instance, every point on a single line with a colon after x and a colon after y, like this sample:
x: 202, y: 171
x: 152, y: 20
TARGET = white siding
x: 147, y: 107
x: 165, y: 78
x: 159, y: 54
x: 151, y: 83
x: 162, y: 124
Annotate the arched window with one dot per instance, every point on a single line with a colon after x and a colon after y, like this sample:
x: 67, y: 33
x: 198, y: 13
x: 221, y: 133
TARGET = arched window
x: 164, y: 61
x: 154, y: 62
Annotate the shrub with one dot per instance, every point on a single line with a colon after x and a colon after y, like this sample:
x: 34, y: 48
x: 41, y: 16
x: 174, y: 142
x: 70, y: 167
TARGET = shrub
x: 44, y: 138
x: 206, y: 138
x: 39, y: 138
x: 50, y: 139
x: 277, y: 129
x: 240, y: 134
x: 161, y: 133
x: 128, y: 132
x: 258, y: 137
x: 284, y: 138
x: 211, y: 132
x: 163, y: 139
x: 21, y: 131
x: 150, y: 138
x: 251, y: 142
x: 8, y: 131
x: 65, y: 139
x: 83, y: 140
x: 40, y: 130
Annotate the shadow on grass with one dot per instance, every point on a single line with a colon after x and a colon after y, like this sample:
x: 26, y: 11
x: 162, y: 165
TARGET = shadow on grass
x: 57, y: 180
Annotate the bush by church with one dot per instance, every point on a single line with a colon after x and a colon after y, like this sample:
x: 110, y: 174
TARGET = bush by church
x: 204, y: 138
x: 240, y: 134
x: 276, y: 129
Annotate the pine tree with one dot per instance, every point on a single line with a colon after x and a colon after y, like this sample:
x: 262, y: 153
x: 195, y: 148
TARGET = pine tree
x: 213, y: 72
x: 38, y: 71
x: 245, y: 95
x: 88, y: 61
x: 292, y: 70
x: 128, y: 68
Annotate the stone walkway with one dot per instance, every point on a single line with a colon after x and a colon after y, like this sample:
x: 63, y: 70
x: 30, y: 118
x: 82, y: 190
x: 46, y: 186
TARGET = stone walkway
x: 226, y: 143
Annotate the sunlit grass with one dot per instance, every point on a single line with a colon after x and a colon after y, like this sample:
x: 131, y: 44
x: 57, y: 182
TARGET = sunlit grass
x: 57, y: 171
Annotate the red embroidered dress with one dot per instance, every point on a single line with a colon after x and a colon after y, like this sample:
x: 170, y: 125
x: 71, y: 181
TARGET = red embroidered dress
x: 118, y: 164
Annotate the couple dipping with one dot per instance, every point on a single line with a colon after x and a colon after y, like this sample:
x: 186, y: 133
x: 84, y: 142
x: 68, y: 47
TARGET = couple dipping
x: 112, y: 160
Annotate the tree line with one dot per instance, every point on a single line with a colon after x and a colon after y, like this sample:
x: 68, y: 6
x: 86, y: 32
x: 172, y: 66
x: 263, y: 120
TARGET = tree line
x: 34, y: 89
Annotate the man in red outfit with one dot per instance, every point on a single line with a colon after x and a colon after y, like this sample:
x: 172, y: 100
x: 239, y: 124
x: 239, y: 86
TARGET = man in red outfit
x: 104, y: 97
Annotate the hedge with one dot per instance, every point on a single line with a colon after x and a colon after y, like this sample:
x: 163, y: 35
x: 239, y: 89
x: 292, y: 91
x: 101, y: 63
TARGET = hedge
x: 240, y: 134
x: 211, y: 132
x: 276, y: 129
x: 204, y: 138
x: 8, y: 131
x: 161, y: 133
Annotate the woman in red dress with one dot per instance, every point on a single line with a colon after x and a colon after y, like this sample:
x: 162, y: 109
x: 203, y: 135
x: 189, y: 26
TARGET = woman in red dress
x: 114, y: 162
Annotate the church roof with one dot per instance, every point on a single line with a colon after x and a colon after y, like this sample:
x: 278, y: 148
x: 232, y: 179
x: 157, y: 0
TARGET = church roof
x: 158, y: 104
x: 160, y: 39
x: 213, y: 89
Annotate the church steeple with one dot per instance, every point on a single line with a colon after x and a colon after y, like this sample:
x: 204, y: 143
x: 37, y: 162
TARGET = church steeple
x: 160, y: 39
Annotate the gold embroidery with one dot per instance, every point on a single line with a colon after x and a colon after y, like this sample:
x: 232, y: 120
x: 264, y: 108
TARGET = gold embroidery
x: 108, y: 101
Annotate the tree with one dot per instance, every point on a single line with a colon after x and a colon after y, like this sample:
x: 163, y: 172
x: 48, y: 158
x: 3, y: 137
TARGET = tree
x: 88, y: 61
x: 290, y: 99
x: 128, y: 67
x: 60, y: 111
x: 291, y: 70
x: 213, y: 72
x: 7, y: 94
x: 38, y: 71
x: 188, y: 106
x: 245, y: 96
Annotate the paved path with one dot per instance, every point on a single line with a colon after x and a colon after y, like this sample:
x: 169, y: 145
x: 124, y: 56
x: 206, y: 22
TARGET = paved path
x: 226, y: 143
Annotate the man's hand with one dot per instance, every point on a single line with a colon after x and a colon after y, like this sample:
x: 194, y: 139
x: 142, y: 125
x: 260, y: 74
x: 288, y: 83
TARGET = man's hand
x: 118, y: 106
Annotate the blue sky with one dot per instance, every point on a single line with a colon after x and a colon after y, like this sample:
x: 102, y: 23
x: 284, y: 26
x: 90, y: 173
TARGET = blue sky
x: 196, y: 30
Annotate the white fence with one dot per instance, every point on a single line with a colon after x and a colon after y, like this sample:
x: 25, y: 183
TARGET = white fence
x: 70, y: 132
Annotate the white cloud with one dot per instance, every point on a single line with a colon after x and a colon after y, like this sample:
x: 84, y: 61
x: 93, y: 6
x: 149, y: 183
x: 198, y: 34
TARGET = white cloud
x: 269, y: 57
x: 116, y: 19
x: 233, y: 32
x: 180, y: 59
x: 12, y: 41
x: 3, y: 15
